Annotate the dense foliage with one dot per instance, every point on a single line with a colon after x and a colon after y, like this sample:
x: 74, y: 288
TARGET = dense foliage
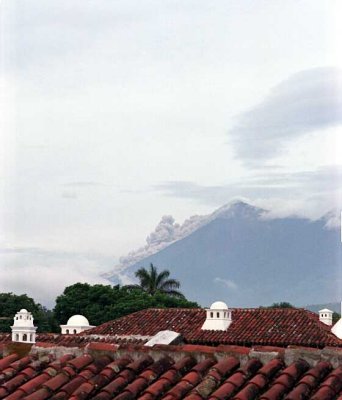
x: 336, y: 316
x: 101, y: 303
x: 11, y: 303
x: 282, y: 304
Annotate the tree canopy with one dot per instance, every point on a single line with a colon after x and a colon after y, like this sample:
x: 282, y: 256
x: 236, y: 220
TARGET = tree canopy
x: 152, y: 282
x: 11, y: 303
x: 336, y: 316
x: 100, y: 303
x: 282, y: 304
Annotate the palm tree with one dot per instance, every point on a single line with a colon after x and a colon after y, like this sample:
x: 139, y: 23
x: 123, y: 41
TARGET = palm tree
x: 153, y: 282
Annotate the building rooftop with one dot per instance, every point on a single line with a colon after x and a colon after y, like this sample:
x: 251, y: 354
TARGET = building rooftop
x: 103, y: 372
x: 77, y: 340
x: 254, y: 326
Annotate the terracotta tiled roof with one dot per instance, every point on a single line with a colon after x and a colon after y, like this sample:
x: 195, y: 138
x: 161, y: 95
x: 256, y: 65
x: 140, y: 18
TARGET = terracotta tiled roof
x: 163, y: 377
x: 259, y: 326
x: 76, y: 340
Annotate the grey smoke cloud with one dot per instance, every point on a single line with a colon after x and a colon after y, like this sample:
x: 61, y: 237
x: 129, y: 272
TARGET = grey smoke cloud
x: 305, y: 102
x: 166, y: 232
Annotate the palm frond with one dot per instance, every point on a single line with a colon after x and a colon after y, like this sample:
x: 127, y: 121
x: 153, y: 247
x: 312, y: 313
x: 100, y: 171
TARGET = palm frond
x: 173, y: 293
x: 170, y: 284
x: 152, y: 282
x: 144, y: 277
x: 161, y: 277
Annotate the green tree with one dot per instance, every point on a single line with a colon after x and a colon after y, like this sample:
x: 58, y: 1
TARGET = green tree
x: 11, y: 303
x: 282, y: 304
x: 336, y: 316
x: 100, y: 303
x: 152, y: 282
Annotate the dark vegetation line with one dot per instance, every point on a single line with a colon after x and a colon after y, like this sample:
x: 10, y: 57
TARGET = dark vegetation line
x: 102, y: 303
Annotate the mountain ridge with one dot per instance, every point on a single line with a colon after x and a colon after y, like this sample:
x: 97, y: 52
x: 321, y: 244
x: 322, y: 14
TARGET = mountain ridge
x: 247, y: 259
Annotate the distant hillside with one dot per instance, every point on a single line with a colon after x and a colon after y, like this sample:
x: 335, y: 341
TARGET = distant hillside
x: 246, y: 260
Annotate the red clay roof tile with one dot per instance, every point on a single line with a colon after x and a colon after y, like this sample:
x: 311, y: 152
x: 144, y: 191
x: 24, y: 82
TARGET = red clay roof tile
x: 71, y: 386
x: 19, y: 379
x: 193, y: 377
x: 272, y: 367
x: 225, y: 391
x: 40, y: 394
x: 30, y: 386
x: 161, y: 378
x: 7, y: 361
x: 18, y: 394
x: 324, y: 393
x: 226, y: 366
x: 194, y: 396
x: 204, y: 365
x: 249, y: 392
x: 259, y: 380
x: 80, y: 362
x: 180, y: 390
x: 55, y: 383
x: 273, y: 327
x: 157, y: 389
x: 333, y: 381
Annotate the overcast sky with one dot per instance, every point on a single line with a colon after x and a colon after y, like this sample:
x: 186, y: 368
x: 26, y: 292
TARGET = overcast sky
x: 119, y: 112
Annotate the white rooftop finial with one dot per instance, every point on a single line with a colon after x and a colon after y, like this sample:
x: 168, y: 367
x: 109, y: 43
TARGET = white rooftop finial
x: 218, y: 317
x: 325, y: 316
x: 23, y: 329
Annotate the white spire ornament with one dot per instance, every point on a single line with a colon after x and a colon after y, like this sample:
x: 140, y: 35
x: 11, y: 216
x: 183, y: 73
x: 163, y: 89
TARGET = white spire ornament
x: 23, y: 330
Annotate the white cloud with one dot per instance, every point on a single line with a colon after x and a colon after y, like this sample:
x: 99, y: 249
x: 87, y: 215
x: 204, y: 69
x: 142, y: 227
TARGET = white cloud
x: 43, y: 275
x: 310, y: 193
x: 306, y: 102
x: 69, y: 195
x: 227, y: 283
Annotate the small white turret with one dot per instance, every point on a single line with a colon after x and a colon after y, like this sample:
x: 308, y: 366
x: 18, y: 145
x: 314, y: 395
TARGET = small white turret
x: 218, y: 318
x: 76, y: 324
x: 325, y: 316
x: 23, y: 329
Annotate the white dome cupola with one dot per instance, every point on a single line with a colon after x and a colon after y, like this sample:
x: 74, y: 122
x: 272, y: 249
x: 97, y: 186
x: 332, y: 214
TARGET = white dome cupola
x: 326, y: 316
x: 218, y: 317
x: 23, y: 329
x: 76, y: 324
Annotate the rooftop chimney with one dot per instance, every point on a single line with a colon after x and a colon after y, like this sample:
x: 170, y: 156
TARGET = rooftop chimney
x: 325, y: 316
x: 218, y: 317
x: 23, y: 329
